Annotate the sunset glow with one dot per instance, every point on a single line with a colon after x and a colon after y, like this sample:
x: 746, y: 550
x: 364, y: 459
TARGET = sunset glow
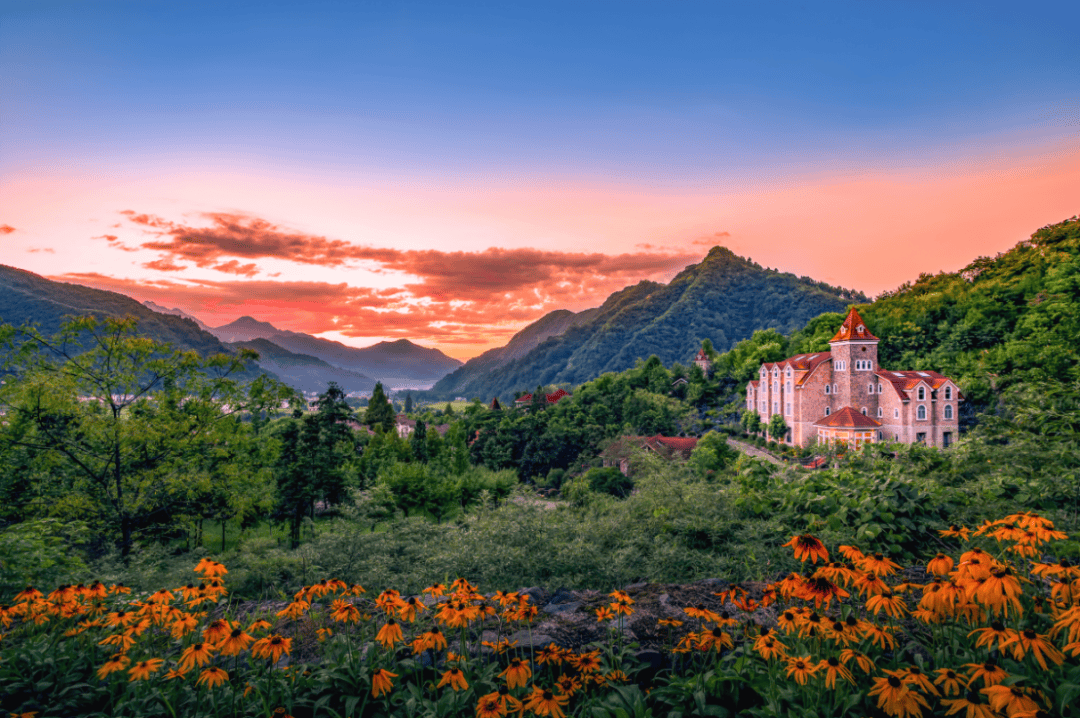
x: 450, y: 177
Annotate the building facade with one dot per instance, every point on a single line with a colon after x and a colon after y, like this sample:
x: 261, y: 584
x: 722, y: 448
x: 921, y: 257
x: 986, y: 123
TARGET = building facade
x: 844, y: 396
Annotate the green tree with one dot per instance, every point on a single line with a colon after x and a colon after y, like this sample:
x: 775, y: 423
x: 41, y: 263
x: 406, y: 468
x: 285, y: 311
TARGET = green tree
x: 712, y: 455
x: 124, y: 419
x: 380, y: 413
x: 418, y: 442
x: 751, y: 421
x: 778, y: 428
x: 408, y: 403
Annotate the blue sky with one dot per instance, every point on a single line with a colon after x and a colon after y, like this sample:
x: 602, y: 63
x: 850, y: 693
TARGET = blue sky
x: 450, y: 172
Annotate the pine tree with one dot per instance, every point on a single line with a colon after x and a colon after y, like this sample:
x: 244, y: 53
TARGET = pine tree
x: 379, y: 411
x: 408, y: 403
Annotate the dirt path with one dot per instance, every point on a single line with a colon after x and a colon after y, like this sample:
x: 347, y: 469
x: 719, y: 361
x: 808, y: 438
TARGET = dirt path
x: 753, y: 451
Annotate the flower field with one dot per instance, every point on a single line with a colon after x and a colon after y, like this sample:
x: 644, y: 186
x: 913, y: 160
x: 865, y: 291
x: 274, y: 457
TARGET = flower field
x: 990, y: 630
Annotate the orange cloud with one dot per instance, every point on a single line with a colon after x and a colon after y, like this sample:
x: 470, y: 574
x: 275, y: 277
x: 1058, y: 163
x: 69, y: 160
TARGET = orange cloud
x: 6, y: 229
x: 46, y: 250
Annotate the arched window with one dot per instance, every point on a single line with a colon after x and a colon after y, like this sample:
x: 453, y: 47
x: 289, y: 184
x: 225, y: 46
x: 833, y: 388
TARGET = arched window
x: 789, y: 372
x: 879, y: 388
x: 922, y: 394
x: 864, y: 411
x: 828, y: 389
x: 896, y: 413
x: 871, y: 389
x: 880, y: 413
x: 948, y: 392
x: 948, y: 411
x: 827, y: 411
x: 789, y: 386
x: 869, y: 365
x: 921, y: 414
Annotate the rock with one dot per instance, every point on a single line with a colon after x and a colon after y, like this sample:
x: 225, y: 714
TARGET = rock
x: 539, y: 640
x: 536, y: 594
x: 557, y: 608
x: 636, y: 586
x: 563, y: 595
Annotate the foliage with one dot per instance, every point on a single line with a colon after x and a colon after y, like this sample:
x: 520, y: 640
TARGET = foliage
x: 380, y: 413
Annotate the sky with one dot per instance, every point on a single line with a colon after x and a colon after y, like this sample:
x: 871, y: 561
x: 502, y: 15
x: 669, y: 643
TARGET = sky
x: 450, y: 172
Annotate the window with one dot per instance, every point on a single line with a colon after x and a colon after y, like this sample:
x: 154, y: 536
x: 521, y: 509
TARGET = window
x: 946, y: 439
x: 948, y: 392
x: 776, y: 407
x: 776, y: 386
x: 922, y: 393
x: 789, y: 408
x: 864, y: 411
x: 828, y: 389
x: 827, y: 411
x: 921, y: 414
x: 896, y: 413
x: 879, y: 388
x: 880, y: 413
x: 880, y: 436
x: 834, y: 388
x: 763, y: 407
x: 776, y: 372
x: 948, y: 411
x: 921, y: 437
x: 789, y: 386
x: 871, y: 389
x: 789, y: 372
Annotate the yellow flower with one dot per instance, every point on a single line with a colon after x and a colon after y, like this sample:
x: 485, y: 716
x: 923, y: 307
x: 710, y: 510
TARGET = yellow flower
x: 271, y: 647
x: 800, y: 668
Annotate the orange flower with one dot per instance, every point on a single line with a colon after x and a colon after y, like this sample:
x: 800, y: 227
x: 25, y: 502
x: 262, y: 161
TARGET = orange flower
x: 381, y: 683
x: 833, y: 668
x: 142, y: 670
x: 806, y: 547
x: 197, y: 654
x: 117, y: 662
x: 517, y: 673
x: 271, y: 647
x: 897, y: 699
x: 389, y: 634
x: 545, y: 703
x: 236, y: 642
x: 455, y: 679
x: 800, y: 668
x: 212, y: 677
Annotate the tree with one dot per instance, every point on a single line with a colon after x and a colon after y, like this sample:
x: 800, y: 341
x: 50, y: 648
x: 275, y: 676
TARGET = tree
x: 379, y: 413
x: 408, y: 403
x: 712, y: 454
x: 418, y: 441
x: 778, y: 428
x: 126, y: 420
x: 751, y: 421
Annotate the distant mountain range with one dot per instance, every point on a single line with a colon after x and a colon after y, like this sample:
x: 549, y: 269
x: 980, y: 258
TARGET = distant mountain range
x: 306, y: 373
x: 176, y: 312
x: 395, y: 364
x: 725, y: 299
x: 27, y: 298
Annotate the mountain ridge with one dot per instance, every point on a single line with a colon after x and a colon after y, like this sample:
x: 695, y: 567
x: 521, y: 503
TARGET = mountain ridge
x: 723, y: 298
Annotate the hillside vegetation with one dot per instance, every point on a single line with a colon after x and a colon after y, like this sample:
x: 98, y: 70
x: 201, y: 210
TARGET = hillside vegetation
x: 725, y: 298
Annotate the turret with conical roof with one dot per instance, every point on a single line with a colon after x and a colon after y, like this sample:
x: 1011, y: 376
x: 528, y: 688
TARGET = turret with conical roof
x: 855, y: 359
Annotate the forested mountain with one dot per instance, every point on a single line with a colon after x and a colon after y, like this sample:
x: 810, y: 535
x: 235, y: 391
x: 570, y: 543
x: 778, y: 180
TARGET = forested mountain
x: 177, y: 312
x: 306, y: 373
x: 725, y: 299
x: 27, y: 298
x: 398, y: 362
x: 999, y: 322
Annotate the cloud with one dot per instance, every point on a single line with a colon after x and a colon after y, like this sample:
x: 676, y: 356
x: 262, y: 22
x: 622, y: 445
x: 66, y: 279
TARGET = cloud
x: 476, y: 298
x: 113, y: 240
x: 46, y: 250
x: 6, y: 229
x: 711, y: 240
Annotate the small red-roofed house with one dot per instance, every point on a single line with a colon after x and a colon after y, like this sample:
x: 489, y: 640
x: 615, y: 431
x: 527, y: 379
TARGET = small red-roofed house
x: 843, y: 395
x: 669, y: 447
x: 553, y: 398
x: 701, y: 360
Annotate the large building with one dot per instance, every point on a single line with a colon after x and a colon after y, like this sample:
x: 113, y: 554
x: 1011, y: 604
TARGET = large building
x: 842, y: 395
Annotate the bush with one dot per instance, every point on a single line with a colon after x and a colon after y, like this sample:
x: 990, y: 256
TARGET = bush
x: 609, y: 480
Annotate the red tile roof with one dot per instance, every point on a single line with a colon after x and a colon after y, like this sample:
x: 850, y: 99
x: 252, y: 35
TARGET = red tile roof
x: 904, y: 382
x: 551, y: 398
x: 847, y: 418
x: 853, y: 329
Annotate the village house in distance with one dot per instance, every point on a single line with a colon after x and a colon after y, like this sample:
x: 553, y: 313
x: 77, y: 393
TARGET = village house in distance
x: 843, y: 396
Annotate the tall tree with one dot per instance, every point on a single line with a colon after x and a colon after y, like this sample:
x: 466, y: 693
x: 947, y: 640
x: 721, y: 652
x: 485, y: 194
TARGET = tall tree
x: 408, y: 403
x: 380, y: 413
x: 125, y: 418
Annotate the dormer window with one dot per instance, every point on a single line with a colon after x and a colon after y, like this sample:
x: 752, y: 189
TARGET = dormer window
x: 922, y: 393
x: 789, y: 372
x: 948, y: 393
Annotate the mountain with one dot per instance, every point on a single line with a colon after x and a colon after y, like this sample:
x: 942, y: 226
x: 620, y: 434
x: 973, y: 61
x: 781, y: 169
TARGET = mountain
x: 305, y: 373
x: 176, y: 312
x: 27, y: 298
x: 396, y: 364
x: 725, y: 299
